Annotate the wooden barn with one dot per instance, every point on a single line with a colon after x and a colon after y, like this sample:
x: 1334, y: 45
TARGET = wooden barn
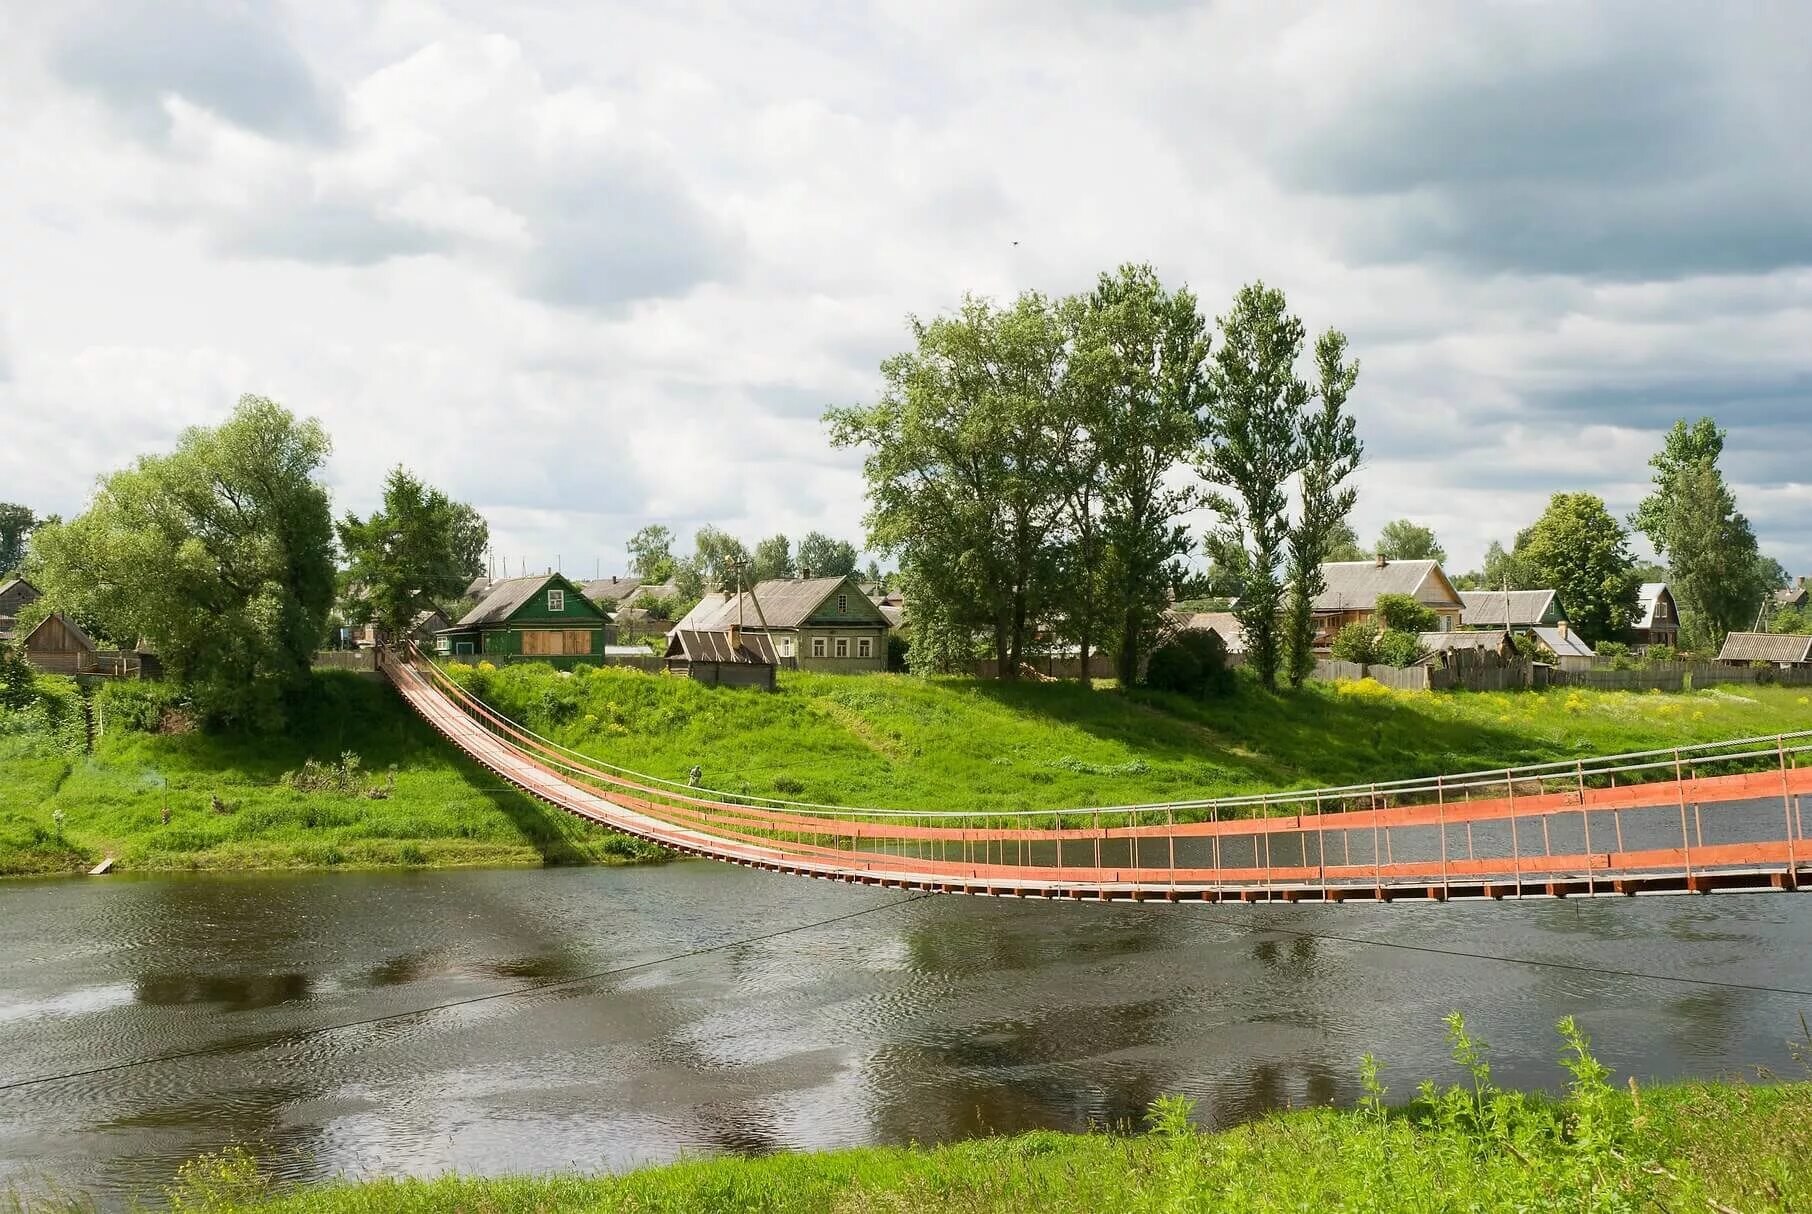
x: 59, y: 646
x: 734, y: 657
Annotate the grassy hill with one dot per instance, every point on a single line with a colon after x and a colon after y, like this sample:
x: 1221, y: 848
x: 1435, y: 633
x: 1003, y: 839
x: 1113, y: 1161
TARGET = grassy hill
x: 440, y: 810
x: 894, y: 741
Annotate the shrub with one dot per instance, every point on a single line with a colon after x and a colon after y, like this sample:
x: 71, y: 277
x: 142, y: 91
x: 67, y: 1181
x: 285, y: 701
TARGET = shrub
x: 1192, y: 663
x: 898, y: 647
x: 140, y: 705
x: 18, y: 684
x: 1662, y: 653
x: 1612, y: 649
x: 1402, y: 613
x: 1399, y: 648
x: 1356, y: 643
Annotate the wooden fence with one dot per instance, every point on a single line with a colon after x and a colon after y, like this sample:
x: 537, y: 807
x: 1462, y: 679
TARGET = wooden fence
x: 345, y: 659
x: 1673, y: 676
x: 1101, y: 666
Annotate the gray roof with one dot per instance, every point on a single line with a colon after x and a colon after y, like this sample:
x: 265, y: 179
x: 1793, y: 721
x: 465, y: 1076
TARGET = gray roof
x: 755, y: 647
x: 12, y: 582
x: 75, y: 630
x: 503, y: 598
x: 477, y: 587
x: 1786, y: 596
x: 1440, y: 642
x: 615, y: 588
x: 895, y: 615
x: 1485, y: 608
x: 1646, y: 599
x: 1356, y: 585
x: 783, y: 603
x: 1766, y: 647
x: 1568, y: 644
x: 1223, y: 622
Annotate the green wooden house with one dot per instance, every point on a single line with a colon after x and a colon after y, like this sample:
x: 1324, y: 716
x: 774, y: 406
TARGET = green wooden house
x: 529, y: 619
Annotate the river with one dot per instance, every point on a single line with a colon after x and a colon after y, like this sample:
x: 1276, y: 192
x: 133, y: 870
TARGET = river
x: 898, y: 1018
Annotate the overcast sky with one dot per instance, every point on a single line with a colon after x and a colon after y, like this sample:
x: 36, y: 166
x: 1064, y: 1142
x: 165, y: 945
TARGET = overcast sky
x: 590, y: 266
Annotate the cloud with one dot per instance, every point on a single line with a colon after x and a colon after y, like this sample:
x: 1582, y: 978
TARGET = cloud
x: 231, y: 58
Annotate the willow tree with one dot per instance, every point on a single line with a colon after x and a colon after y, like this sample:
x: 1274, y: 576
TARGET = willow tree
x: 220, y: 554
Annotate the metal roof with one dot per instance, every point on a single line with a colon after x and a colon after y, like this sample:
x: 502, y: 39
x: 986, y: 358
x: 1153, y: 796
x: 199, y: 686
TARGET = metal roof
x: 1485, y: 608
x: 783, y: 602
x: 1766, y: 647
x: 1356, y: 585
x: 1568, y: 644
x: 755, y: 647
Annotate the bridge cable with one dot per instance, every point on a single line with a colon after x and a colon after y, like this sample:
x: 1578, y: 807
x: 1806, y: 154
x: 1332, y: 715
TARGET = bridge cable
x: 1533, y: 962
x: 304, y: 1034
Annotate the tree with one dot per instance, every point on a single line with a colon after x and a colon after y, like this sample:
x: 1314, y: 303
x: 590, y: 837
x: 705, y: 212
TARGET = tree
x: 1344, y: 544
x: 1356, y: 642
x: 959, y: 471
x: 16, y: 523
x: 421, y: 548
x: 1081, y: 585
x: 1402, y: 540
x: 1501, y: 570
x: 773, y: 559
x: 1254, y: 401
x: 717, y: 556
x: 1716, y: 570
x: 651, y: 553
x: 1405, y: 613
x: 1138, y: 367
x: 1329, y: 447
x: 220, y: 554
x: 1579, y: 550
x: 826, y: 557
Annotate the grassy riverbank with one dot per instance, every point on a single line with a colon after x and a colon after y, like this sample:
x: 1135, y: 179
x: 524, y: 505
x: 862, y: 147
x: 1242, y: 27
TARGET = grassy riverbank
x: 896, y: 741
x: 413, y: 800
x: 1468, y: 1147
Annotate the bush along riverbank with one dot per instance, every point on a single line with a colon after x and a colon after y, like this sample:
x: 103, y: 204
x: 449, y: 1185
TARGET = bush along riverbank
x: 1469, y: 1146
x: 355, y: 780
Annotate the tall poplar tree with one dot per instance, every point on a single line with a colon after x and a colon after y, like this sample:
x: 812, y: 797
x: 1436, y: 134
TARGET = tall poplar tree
x: 1330, y: 450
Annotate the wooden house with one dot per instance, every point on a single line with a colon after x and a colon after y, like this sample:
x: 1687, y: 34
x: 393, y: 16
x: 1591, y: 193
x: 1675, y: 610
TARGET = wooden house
x: 1657, y: 616
x: 59, y: 646
x: 731, y: 658
x: 1353, y: 587
x: 1794, y: 597
x: 824, y: 623
x: 542, y: 618
x: 1518, y: 610
x: 16, y: 594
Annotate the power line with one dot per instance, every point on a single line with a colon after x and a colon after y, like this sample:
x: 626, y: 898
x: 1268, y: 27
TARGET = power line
x: 1534, y: 962
x: 228, y: 1047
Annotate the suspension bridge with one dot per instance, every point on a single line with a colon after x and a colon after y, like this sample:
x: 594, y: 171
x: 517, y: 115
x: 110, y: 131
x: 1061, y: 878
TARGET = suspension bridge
x: 1717, y: 817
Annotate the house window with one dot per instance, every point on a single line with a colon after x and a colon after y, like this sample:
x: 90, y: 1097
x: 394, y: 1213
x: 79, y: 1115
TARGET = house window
x: 817, y: 647
x: 556, y: 600
x: 440, y: 644
x: 863, y: 647
x: 843, y: 604
x: 842, y: 647
x: 786, y: 647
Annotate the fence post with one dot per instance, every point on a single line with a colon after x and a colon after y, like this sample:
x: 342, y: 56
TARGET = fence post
x: 1441, y: 814
x: 1516, y: 851
x: 1780, y: 744
x: 1585, y: 820
x: 1685, y: 843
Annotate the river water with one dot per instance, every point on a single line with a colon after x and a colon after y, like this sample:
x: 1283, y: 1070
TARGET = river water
x: 897, y: 1018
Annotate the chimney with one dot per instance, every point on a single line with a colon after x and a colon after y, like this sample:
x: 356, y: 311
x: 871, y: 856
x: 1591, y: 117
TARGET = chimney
x: 735, y: 637
x: 1561, y: 628
x: 613, y: 579
x: 1380, y: 561
x: 805, y: 572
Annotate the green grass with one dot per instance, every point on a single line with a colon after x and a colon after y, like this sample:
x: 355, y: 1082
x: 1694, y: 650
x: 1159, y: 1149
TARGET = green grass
x: 892, y: 741
x: 1467, y: 1147
x: 443, y: 810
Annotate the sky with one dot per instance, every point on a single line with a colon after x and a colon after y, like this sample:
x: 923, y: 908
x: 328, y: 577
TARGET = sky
x: 590, y: 266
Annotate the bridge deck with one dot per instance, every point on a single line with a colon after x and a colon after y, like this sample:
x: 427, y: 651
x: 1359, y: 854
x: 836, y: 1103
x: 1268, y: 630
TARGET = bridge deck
x: 1472, y: 847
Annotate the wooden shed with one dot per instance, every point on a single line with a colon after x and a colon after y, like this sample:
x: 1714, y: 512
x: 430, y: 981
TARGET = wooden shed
x: 733, y: 658
x: 59, y: 646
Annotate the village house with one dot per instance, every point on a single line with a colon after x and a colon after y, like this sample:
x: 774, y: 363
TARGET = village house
x: 824, y: 623
x: 612, y: 591
x: 1534, y: 613
x: 1223, y: 624
x: 1657, y: 617
x: 541, y: 618
x: 1784, y: 649
x: 1353, y: 587
x: 59, y: 646
x: 732, y: 658
x: 1796, y: 597
x: 15, y: 595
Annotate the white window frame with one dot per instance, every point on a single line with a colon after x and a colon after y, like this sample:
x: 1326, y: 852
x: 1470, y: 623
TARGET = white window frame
x: 842, y: 647
x: 864, y: 647
x: 786, y: 647
x: 817, y: 647
x: 556, y: 600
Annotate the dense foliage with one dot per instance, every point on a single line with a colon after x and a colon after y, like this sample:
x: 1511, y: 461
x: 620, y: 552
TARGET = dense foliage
x: 421, y: 548
x: 220, y: 554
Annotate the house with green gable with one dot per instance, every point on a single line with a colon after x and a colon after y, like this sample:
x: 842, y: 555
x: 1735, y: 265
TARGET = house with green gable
x: 544, y: 618
x: 824, y: 623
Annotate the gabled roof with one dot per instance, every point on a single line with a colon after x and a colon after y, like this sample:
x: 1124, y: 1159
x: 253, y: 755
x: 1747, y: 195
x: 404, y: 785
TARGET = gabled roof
x: 754, y: 647
x: 75, y: 630
x: 783, y: 602
x: 616, y: 588
x: 1439, y: 642
x: 1225, y: 623
x: 1568, y: 644
x: 1485, y: 608
x: 477, y: 588
x: 1646, y: 598
x: 425, y: 616
x: 894, y: 615
x: 13, y: 583
x: 1786, y: 596
x: 1356, y: 585
x: 506, y: 598
x: 1766, y: 647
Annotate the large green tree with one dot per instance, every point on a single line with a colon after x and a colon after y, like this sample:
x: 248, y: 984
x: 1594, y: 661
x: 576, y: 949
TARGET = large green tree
x: 420, y: 548
x: 16, y: 523
x: 1139, y: 350
x: 826, y: 557
x: 1255, y: 402
x: 651, y: 553
x: 1403, y: 540
x: 1577, y: 548
x: 1329, y: 448
x: 959, y: 469
x: 1715, y: 567
x: 773, y: 559
x: 219, y: 553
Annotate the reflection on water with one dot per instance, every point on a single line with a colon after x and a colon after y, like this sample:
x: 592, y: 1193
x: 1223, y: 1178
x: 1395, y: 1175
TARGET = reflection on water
x: 925, y: 1020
